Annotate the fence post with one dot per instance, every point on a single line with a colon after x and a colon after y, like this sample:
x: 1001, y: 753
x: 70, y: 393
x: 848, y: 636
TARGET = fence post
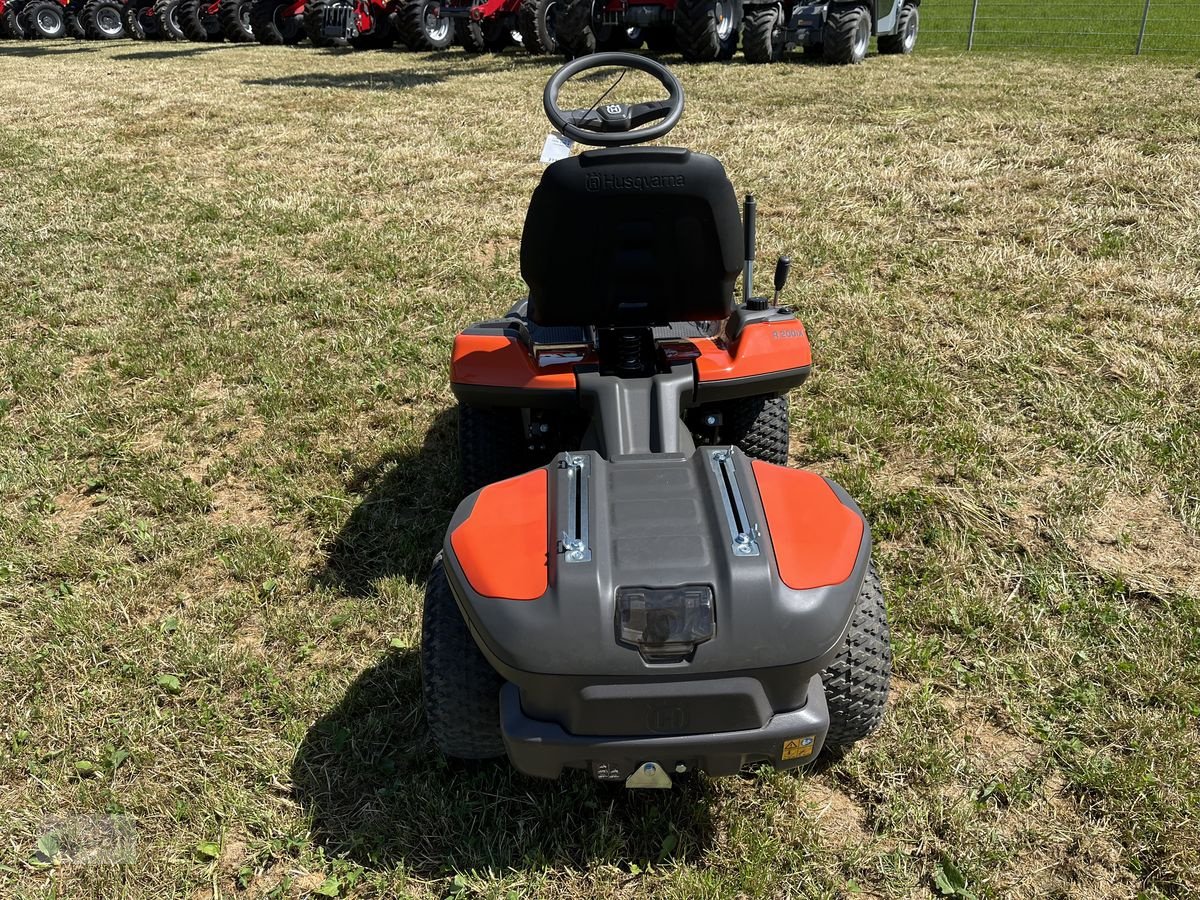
x: 975, y: 14
x: 1142, y: 31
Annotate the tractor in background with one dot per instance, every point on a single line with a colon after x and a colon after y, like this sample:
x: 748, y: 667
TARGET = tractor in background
x: 837, y: 32
x: 699, y: 29
x: 495, y: 24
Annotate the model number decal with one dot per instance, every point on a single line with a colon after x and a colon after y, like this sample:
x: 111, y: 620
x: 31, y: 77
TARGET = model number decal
x: 787, y: 333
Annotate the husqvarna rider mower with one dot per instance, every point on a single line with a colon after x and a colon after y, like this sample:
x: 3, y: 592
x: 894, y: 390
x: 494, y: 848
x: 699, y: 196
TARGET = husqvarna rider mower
x: 652, y: 598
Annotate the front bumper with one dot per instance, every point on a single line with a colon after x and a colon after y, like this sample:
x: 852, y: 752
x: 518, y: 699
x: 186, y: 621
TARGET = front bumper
x: 544, y: 749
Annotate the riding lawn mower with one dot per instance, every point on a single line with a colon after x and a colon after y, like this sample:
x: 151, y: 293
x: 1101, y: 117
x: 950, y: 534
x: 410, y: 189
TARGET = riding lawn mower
x: 637, y: 585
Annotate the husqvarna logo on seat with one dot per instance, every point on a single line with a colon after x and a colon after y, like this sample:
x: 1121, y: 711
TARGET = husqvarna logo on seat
x: 608, y: 182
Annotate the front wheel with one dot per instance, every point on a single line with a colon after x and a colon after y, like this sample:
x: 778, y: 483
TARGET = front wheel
x: 707, y: 29
x: 101, y: 20
x: 576, y: 29
x: 762, y: 34
x: 235, y: 21
x: 422, y: 27
x: 276, y: 23
x: 200, y: 22
x: 538, y: 24
x: 11, y: 22
x: 856, y: 682
x: 44, y: 20
x: 167, y: 12
x: 847, y: 35
x: 459, y: 689
x: 905, y: 39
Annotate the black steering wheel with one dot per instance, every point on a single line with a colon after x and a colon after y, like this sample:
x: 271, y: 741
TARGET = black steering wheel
x: 615, y: 124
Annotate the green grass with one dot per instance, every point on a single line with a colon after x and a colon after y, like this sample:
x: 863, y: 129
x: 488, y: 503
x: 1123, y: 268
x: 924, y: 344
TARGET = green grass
x: 1070, y: 25
x: 231, y: 277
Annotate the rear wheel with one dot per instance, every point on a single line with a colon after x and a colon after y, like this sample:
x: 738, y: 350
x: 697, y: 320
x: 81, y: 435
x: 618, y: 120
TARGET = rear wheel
x: 167, y: 12
x: 758, y: 426
x: 274, y: 24
x: 847, y: 35
x: 856, y: 682
x: 421, y: 26
x: 492, y: 445
x: 707, y: 29
x: 537, y: 21
x: 199, y: 21
x: 905, y: 38
x: 762, y: 34
x: 460, y: 690
x: 44, y: 20
x: 101, y: 20
x: 235, y: 21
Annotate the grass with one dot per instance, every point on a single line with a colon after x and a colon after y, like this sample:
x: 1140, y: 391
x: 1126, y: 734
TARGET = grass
x: 1068, y: 25
x: 231, y: 279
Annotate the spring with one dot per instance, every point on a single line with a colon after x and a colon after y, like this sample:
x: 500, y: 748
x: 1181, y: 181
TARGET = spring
x: 629, y: 352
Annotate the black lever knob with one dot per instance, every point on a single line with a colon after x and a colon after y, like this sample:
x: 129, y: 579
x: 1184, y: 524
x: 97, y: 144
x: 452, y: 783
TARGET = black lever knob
x: 782, y: 269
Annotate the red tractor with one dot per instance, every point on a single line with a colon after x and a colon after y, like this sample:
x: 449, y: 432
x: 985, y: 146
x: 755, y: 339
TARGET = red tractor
x: 699, y: 29
x: 364, y: 24
x: 495, y: 24
x: 98, y: 20
x: 40, y: 20
x: 216, y: 20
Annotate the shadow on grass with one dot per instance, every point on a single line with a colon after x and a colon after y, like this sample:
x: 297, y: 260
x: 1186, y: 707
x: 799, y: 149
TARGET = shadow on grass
x: 43, y: 49
x: 380, y: 795
x: 398, y: 527
x: 175, y: 54
x: 450, y: 65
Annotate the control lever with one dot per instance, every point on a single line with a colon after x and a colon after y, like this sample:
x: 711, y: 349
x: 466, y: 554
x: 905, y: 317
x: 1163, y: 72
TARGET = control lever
x: 748, y: 217
x: 783, y: 268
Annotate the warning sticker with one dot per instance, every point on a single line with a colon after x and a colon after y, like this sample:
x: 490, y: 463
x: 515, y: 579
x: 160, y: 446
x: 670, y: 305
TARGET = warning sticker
x: 798, y: 748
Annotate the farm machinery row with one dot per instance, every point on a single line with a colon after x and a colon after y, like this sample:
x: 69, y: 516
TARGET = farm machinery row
x: 836, y: 31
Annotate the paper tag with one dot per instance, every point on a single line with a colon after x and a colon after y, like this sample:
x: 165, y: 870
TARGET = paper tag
x: 557, y: 147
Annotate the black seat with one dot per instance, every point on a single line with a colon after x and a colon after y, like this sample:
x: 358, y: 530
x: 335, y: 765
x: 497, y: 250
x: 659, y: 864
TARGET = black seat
x: 632, y: 236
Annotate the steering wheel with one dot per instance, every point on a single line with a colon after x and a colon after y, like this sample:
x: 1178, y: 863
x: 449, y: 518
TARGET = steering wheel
x: 615, y: 124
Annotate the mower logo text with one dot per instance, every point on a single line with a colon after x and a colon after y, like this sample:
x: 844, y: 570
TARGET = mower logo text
x: 633, y: 182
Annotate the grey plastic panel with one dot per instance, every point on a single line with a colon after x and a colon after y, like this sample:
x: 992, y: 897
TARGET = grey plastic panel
x: 658, y: 521
x: 544, y: 749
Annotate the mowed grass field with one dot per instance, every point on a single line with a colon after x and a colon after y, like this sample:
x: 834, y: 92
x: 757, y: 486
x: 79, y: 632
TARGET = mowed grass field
x: 1172, y: 26
x: 230, y: 279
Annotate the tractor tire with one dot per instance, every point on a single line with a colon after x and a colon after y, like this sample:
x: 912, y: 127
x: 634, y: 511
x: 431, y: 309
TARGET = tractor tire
x: 576, y: 31
x: 234, y: 16
x: 421, y: 29
x: 758, y: 426
x: 272, y: 27
x: 492, y: 445
x: 167, y: 12
x: 537, y: 21
x: 856, y: 682
x: 762, y: 34
x: 905, y: 39
x: 11, y: 25
x: 44, y: 20
x: 459, y: 689
x: 847, y: 35
x: 707, y: 29
x: 141, y: 21
x: 483, y: 37
x: 198, y: 24
x: 314, y: 21
x: 74, y: 26
x: 101, y: 20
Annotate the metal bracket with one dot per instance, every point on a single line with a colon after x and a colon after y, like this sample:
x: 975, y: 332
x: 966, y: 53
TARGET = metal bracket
x: 573, y: 542
x: 649, y: 775
x: 743, y: 534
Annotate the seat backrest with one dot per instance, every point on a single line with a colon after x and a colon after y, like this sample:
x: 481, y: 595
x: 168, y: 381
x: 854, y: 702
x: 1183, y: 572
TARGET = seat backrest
x: 632, y: 236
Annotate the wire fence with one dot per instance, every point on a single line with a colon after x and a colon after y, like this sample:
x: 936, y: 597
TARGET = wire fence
x: 1108, y: 26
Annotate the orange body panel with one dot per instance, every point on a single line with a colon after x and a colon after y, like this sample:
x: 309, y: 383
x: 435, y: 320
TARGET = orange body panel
x: 816, y: 537
x: 502, y: 545
x: 498, y: 360
x: 761, y: 349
